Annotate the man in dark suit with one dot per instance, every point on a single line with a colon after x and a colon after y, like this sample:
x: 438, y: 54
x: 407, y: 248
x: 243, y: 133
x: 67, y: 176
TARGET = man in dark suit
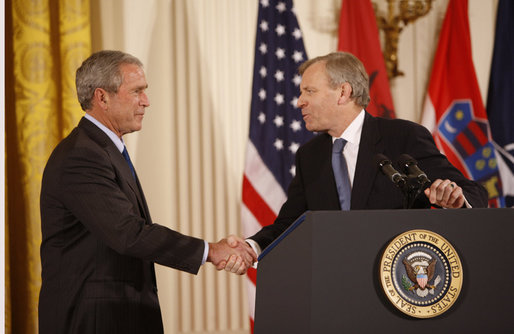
x: 334, y: 93
x: 99, y: 242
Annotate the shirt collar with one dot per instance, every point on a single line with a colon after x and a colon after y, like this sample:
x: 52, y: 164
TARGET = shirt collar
x: 115, y: 139
x: 352, y: 134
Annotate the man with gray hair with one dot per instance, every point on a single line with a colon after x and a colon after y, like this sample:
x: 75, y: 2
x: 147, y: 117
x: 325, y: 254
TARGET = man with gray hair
x: 336, y: 170
x: 99, y: 242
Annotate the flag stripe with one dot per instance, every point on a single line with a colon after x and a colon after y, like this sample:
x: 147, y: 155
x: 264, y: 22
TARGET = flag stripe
x: 263, y: 181
x: 257, y: 206
x: 250, y: 288
x: 252, y: 275
x: 250, y: 224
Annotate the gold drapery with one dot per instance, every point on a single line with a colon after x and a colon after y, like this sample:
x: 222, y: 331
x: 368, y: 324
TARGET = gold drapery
x: 45, y: 42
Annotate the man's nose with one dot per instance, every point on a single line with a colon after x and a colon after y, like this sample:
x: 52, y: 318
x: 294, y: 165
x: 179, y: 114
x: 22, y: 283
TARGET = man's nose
x: 145, y: 101
x: 301, y: 102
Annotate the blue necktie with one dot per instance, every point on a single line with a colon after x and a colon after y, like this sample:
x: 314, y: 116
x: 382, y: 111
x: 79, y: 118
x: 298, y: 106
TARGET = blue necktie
x: 344, y: 189
x: 127, y: 157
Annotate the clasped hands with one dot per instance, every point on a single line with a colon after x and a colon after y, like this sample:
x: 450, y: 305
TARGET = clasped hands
x: 232, y: 254
x: 446, y: 194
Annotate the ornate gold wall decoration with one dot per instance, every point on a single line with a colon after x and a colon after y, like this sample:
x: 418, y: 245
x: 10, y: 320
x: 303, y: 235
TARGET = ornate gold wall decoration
x: 392, y: 24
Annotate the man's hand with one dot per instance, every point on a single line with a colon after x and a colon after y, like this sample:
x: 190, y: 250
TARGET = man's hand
x: 232, y: 254
x: 446, y: 194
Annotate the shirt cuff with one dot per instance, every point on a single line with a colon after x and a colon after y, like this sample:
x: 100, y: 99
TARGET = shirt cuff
x: 256, y: 248
x: 205, y: 252
x: 466, y: 204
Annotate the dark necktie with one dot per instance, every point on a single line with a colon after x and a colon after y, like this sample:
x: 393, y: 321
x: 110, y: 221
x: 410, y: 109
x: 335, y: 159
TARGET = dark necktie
x: 344, y: 189
x: 127, y: 157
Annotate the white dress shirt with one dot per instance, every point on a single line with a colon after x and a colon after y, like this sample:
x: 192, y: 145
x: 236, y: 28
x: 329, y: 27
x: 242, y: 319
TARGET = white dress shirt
x: 352, y: 135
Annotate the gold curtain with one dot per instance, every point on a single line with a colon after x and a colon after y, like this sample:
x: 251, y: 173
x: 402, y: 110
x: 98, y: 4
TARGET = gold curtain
x: 45, y: 42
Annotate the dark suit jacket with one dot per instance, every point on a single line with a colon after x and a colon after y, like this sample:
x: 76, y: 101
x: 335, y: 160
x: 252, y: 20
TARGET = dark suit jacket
x: 99, y: 242
x: 314, y: 186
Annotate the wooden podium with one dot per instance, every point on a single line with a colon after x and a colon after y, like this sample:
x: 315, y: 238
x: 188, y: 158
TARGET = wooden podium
x: 322, y: 274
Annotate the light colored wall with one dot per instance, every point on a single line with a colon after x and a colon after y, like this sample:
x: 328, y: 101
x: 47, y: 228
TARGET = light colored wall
x: 198, y: 57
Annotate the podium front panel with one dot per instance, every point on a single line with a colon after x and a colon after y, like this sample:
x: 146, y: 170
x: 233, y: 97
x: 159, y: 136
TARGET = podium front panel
x: 324, y: 276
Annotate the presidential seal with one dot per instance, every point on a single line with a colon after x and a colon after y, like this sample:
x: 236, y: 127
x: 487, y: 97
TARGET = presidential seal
x: 421, y: 273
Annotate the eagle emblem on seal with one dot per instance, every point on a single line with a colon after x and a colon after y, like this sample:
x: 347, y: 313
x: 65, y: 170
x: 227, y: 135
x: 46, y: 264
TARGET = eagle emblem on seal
x: 417, y: 276
x: 420, y: 268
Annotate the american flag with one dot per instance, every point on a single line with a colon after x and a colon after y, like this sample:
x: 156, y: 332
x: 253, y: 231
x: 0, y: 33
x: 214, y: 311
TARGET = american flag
x: 276, y: 127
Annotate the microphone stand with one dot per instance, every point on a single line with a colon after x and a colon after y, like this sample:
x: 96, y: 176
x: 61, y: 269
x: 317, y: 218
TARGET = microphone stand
x: 411, y: 185
x: 414, y: 186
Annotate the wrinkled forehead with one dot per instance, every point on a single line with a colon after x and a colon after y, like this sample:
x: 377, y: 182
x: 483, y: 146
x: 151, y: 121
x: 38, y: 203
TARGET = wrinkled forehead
x: 132, y: 74
x: 315, y: 74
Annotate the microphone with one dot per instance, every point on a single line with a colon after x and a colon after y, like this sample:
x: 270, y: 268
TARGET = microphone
x: 388, y: 170
x: 411, y: 167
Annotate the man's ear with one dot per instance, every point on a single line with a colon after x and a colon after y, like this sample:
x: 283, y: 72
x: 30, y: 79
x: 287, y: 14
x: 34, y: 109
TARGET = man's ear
x: 345, y: 93
x: 101, y: 97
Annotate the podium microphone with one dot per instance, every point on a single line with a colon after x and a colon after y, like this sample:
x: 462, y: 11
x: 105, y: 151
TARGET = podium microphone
x: 388, y: 170
x: 411, y: 167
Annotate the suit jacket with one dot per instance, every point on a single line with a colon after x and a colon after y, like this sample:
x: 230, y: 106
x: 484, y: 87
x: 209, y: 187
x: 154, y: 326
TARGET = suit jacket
x: 314, y: 186
x: 99, y: 242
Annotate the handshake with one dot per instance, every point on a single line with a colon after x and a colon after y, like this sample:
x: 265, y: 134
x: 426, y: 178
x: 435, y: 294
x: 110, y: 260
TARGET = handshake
x: 232, y: 254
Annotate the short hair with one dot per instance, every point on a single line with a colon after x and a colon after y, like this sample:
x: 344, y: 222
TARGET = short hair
x: 101, y: 70
x: 344, y: 67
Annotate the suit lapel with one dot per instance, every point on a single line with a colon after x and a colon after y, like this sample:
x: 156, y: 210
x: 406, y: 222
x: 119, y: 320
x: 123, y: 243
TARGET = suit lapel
x: 366, y: 170
x: 329, y: 198
x: 319, y: 175
x: 122, y: 166
x: 141, y: 198
x: 119, y: 163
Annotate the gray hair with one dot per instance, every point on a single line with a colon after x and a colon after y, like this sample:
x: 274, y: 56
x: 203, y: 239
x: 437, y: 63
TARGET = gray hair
x: 101, y: 70
x: 344, y: 67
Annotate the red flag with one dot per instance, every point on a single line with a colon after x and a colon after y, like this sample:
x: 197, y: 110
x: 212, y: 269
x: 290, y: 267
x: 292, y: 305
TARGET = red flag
x: 358, y: 34
x: 454, y: 111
